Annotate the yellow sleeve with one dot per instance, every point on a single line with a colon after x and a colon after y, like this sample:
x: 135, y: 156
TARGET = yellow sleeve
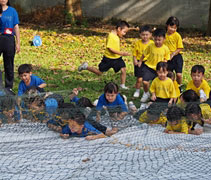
x: 162, y: 120
x: 135, y: 49
x: 184, y: 127
x: 205, y: 110
x: 206, y: 88
x: 152, y: 88
x: 172, y: 91
x: 177, y: 90
x: 167, y: 54
x: 143, y: 117
x: 179, y: 42
x: 169, y: 128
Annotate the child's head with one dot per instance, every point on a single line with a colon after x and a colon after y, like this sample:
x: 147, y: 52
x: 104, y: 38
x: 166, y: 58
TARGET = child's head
x: 122, y: 28
x: 174, y: 115
x: 111, y: 90
x: 145, y: 33
x: 161, y: 70
x: 75, y: 118
x: 189, y: 96
x: 25, y: 72
x: 193, y: 112
x: 84, y: 102
x: 171, y: 75
x: 172, y: 24
x: 159, y: 37
x: 197, y: 73
x: 154, y: 111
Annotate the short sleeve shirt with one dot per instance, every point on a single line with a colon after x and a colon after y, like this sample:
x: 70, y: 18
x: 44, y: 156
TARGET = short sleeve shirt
x: 156, y: 55
x: 35, y: 81
x: 174, y: 41
x: 182, y: 126
x: 112, y: 42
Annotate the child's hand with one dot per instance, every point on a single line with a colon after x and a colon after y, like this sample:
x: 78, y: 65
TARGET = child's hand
x: 64, y: 136
x: 198, y: 131
x: 135, y: 62
x: 90, y: 138
x: 208, y: 121
x: 126, y: 54
x: 153, y: 97
x: 139, y: 63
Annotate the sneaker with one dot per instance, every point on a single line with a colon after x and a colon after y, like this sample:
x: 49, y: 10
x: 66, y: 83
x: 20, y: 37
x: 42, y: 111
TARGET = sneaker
x: 132, y: 108
x: 143, y: 106
x: 145, y: 97
x: 122, y: 86
x: 83, y: 66
x: 136, y: 93
x: 202, y: 94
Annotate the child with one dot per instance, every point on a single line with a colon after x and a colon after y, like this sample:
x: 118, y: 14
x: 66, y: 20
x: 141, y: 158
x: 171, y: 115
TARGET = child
x: 77, y: 126
x: 140, y: 46
x: 28, y: 79
x: 171, y: 75
x: 197, y: 114
x: 174, y: 42
x: 113, y: 101
x: 176, y: 122
x: 198, y: 84
x: 113, y: 56
x: 162, y: 87
x: 155, y: 53
x: 154, y: 115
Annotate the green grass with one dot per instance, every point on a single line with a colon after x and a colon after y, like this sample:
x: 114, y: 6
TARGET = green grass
x: 64, y: 49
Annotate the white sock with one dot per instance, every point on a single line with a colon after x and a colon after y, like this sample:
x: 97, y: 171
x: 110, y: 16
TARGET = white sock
x: 137, y: 90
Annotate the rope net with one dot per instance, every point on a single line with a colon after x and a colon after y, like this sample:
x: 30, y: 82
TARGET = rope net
x: 32, y: 148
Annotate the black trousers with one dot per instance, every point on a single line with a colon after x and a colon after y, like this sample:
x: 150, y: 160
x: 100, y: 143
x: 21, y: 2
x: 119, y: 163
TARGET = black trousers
x: 7, y: 48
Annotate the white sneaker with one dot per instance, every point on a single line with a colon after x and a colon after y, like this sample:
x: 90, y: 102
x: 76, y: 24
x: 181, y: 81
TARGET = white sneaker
x: 202, y: 94
x: 136, y: 93
x: 83, y: 66
x: 145, y: 97
x: 122, y: 86
x: 143, y: 106
x: 132, y: 107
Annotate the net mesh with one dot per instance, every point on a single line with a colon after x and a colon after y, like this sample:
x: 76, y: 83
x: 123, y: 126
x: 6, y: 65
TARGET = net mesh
x: 30, y: 150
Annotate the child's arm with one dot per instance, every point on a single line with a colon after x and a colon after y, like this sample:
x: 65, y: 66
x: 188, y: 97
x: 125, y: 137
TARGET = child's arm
x: 93, y: 137
x: 98, y: 116
x: 153, y: 97
x: 64, y: 136
x: 171, y: 101
x: 175, y: 52
x: 119, y: 52
x: 17, y: 35
x: 135, y: 62
x: 43, y: 85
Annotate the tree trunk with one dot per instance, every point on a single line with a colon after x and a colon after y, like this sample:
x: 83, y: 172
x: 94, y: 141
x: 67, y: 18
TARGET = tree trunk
x: 73, y: 9
x: 209, y: 22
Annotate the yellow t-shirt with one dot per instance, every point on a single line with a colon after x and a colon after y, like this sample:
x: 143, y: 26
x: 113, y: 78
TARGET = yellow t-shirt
x: 173, y: 41
x: 204, y: 86
x: 144, y: 119
x: 155, y: 55
x: 163, y: 89
x: 113, y: 42
x: 176, y: 86
x: 205, y: 110
x: 139, y: 49
x: 182, y: 126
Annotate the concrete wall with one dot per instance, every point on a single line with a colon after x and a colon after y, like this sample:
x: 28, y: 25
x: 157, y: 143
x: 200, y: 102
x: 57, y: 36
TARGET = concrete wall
x: 191, y: 13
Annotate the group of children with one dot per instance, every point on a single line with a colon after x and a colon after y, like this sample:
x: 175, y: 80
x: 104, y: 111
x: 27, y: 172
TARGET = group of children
x: 154, y: 64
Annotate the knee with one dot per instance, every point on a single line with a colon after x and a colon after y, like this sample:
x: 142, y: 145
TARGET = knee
x: 123, y: 70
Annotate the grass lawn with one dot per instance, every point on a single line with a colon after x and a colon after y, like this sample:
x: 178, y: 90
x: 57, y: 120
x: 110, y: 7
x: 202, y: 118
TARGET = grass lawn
x: 65, y: 48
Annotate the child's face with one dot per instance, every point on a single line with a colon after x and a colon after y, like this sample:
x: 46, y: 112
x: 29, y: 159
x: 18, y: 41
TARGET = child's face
x: 159, y: 40
x: 162, y: 74
x: 26, y: 77
x: 145, y: 36
x: 194, y: 117
x: 173, y: 123
x: 197, y: 77
x: 171, y: 29
x: 152, y: 118
x: 110, y: 97
x: 122, y: 31
x: 75, y: 127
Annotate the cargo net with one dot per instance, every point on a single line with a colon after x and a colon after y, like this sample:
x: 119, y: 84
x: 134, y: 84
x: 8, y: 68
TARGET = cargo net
x: 32, y: 148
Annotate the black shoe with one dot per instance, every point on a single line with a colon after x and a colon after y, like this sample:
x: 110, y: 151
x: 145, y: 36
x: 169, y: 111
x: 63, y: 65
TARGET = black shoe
x: 10, y: 91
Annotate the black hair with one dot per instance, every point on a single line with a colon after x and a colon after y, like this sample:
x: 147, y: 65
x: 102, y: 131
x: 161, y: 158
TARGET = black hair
x: 85, y: 102
x: 192, y: 108
x: 145, y: 28
x: 190, y: 96
x: 174, y: 113
x: 24, y: 68
x: 122, y: 24
x: 72, y: 113
x: 198, y: 68
x: 172, y: 21
x: 111, y: 87
x: 155, y: 109
x: 159, y: 32
x: 171, y: 75
x: 162, y: 65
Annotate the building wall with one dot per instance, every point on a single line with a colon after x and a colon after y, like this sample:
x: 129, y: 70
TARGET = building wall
x: 191, y: 13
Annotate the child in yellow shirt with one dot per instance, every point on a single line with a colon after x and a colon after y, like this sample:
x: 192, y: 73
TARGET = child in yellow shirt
x: 140, y: 46
x: 174, y: 42
x: 155, y: 53
x: 162, y: 87
x: 176, y: 122
x: 113, y: 56
x: 198, y: 84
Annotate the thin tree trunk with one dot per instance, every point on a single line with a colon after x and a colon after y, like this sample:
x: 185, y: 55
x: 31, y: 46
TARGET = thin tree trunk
x: 209, y: 22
